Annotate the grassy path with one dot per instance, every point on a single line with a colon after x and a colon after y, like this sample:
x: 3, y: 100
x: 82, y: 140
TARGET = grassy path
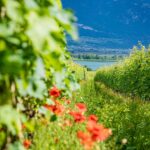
x: 129, y: 119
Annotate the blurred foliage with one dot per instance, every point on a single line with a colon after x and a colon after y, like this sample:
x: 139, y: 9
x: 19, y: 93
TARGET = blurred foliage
x: 33, y: 58
x: 78, y: 70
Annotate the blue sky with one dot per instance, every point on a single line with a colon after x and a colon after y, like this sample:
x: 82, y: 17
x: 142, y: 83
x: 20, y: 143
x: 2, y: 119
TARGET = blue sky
x: 125, y: 20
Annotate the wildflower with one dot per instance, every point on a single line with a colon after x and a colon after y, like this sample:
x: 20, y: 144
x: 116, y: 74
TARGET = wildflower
x: 47, y: 106
x: 81, y: 107
x: 55, y: 92
x: 78, y: 117
x: 98, y: 131
x: 85, y: 140
x: 56, y: 109
x: 92, y: 118
x: 124, y: 141
x: 26, y: 143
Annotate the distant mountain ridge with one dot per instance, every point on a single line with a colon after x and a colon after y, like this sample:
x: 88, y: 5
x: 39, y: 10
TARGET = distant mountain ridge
x: 112, y: 24
x: 98, y: 46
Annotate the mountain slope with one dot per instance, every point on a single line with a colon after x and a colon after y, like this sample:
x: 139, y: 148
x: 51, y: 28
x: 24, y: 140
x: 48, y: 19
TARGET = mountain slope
x: 120, y: 20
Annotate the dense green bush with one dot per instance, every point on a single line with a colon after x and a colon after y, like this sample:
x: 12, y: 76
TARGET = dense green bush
x: 132, y: 76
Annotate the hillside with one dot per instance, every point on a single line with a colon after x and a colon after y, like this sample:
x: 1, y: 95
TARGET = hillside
x: 112, y: 26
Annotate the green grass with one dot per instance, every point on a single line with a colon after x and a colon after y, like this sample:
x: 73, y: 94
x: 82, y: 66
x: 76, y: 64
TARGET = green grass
x: 129, y: 119
x: 54, y: 137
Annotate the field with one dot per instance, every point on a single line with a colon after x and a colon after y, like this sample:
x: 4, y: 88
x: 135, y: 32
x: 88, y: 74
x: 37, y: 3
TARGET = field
x: 48, y: 102
x: 129, y: 119
x: 127, y: 116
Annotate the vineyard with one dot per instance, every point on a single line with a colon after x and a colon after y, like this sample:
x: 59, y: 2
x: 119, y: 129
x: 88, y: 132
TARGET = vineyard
x: 47, y: 102
x: 132, y: 76
x: 128, y: 118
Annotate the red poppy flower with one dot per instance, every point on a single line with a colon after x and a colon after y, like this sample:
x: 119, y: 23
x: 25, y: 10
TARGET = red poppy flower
x: 81, y: 107
x: 47, y: 106
x: 78, y: 116
x: 56, y: 109
x: 98, y: 132
x: 85, y: 140
x: 92, y: 118
x: 55, y: 92
x: 26, y: 143
x: 101, y: 135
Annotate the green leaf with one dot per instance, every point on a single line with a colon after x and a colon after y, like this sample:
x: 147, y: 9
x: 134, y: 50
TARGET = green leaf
x: 39, y: 29
x: 11, y: 118
x: 53, y: 118
x: 16, y: 146
x: 12, y: 10
x: 2, y: 138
